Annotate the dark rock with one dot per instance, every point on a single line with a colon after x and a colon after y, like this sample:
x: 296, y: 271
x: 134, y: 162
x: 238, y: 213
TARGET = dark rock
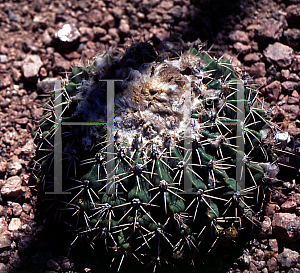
x: 289, y: 86
x: 258, y: 254
x: 4, y: 268
x: 272, y: 70
x: 175, y: 12
x: 286, y: 226
x: 294, y: 270
x: 292, y: 100
x: 258, y: 69
x: 289, y: 205
x: 270, y: 209
x: 272, y: 264
x: 293, y: 13
x: 94, y: 17
x: 252, y: 268
x: 60, y: 64
x: 259, y: 264
x: 25, y: 242
x: 46, y: 86
x: 99, y: 32
x: 292, y: 37
x: 53, y: 265
x: 108, y: 21
x: 278, y: 196
x: 273, y: 90
x: 292, y: 111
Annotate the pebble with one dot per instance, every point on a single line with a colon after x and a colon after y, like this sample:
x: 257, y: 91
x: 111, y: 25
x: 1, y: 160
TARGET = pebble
x: 31, y: 66
x: 16, y: 207
x: 286, y: 226
x: 290, y: 204
x: 24, y: 242
x: 39, y: 25
x: 239, y: 36
x: 241, y: 48
x: 60, y: 64
x: 14, y: 224
x: 269, y: 29
x: 292, y: 37
x: 5, y: 239
x: 46, y: 38
x: 258, y: 255
x: 99, y: 32
x: 266, y: 227
x: 279, y: 53
x: 4, y: 268
x: 258, y: 69
x: 124, y: 27
x: 16, y: 74
x: 108, y: 22
x: 3, y: 58
x: 87, y: 34
x: 288, y: 257
x: 289, y: 86
x: 46, y: 85
x: 294, y: 270
x: 245, y: 259
x: 273, y: 244
x: 53, y: 265
x: 272, y: 264
x: 270, y: 209
x: 293, y: 13
x: 285, y: 74
x: 68, y: 35
x: 14, y: 168
x: 296, y: 63
x: 273, y: 90
x: 259, y: 264
x: 253, y: 57
x: 13, y: 187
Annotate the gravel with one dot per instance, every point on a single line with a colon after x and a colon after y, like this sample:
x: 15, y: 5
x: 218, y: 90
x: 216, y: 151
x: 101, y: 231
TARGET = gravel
x: 41, y: 41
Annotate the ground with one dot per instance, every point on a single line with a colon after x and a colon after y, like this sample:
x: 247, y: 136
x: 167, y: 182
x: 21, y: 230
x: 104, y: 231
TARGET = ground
x: 259, y: 37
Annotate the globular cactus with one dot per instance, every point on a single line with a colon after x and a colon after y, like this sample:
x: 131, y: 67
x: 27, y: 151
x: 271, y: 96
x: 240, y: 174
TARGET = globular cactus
x: 182, y: 165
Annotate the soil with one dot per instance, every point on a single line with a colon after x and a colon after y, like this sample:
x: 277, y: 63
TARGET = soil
x: 261, y: 38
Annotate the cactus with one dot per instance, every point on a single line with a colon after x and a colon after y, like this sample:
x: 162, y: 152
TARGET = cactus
x: 162, y: 185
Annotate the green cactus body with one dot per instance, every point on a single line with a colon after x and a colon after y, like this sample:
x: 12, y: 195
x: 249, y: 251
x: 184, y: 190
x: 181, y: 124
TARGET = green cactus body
x: 143, y: 206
